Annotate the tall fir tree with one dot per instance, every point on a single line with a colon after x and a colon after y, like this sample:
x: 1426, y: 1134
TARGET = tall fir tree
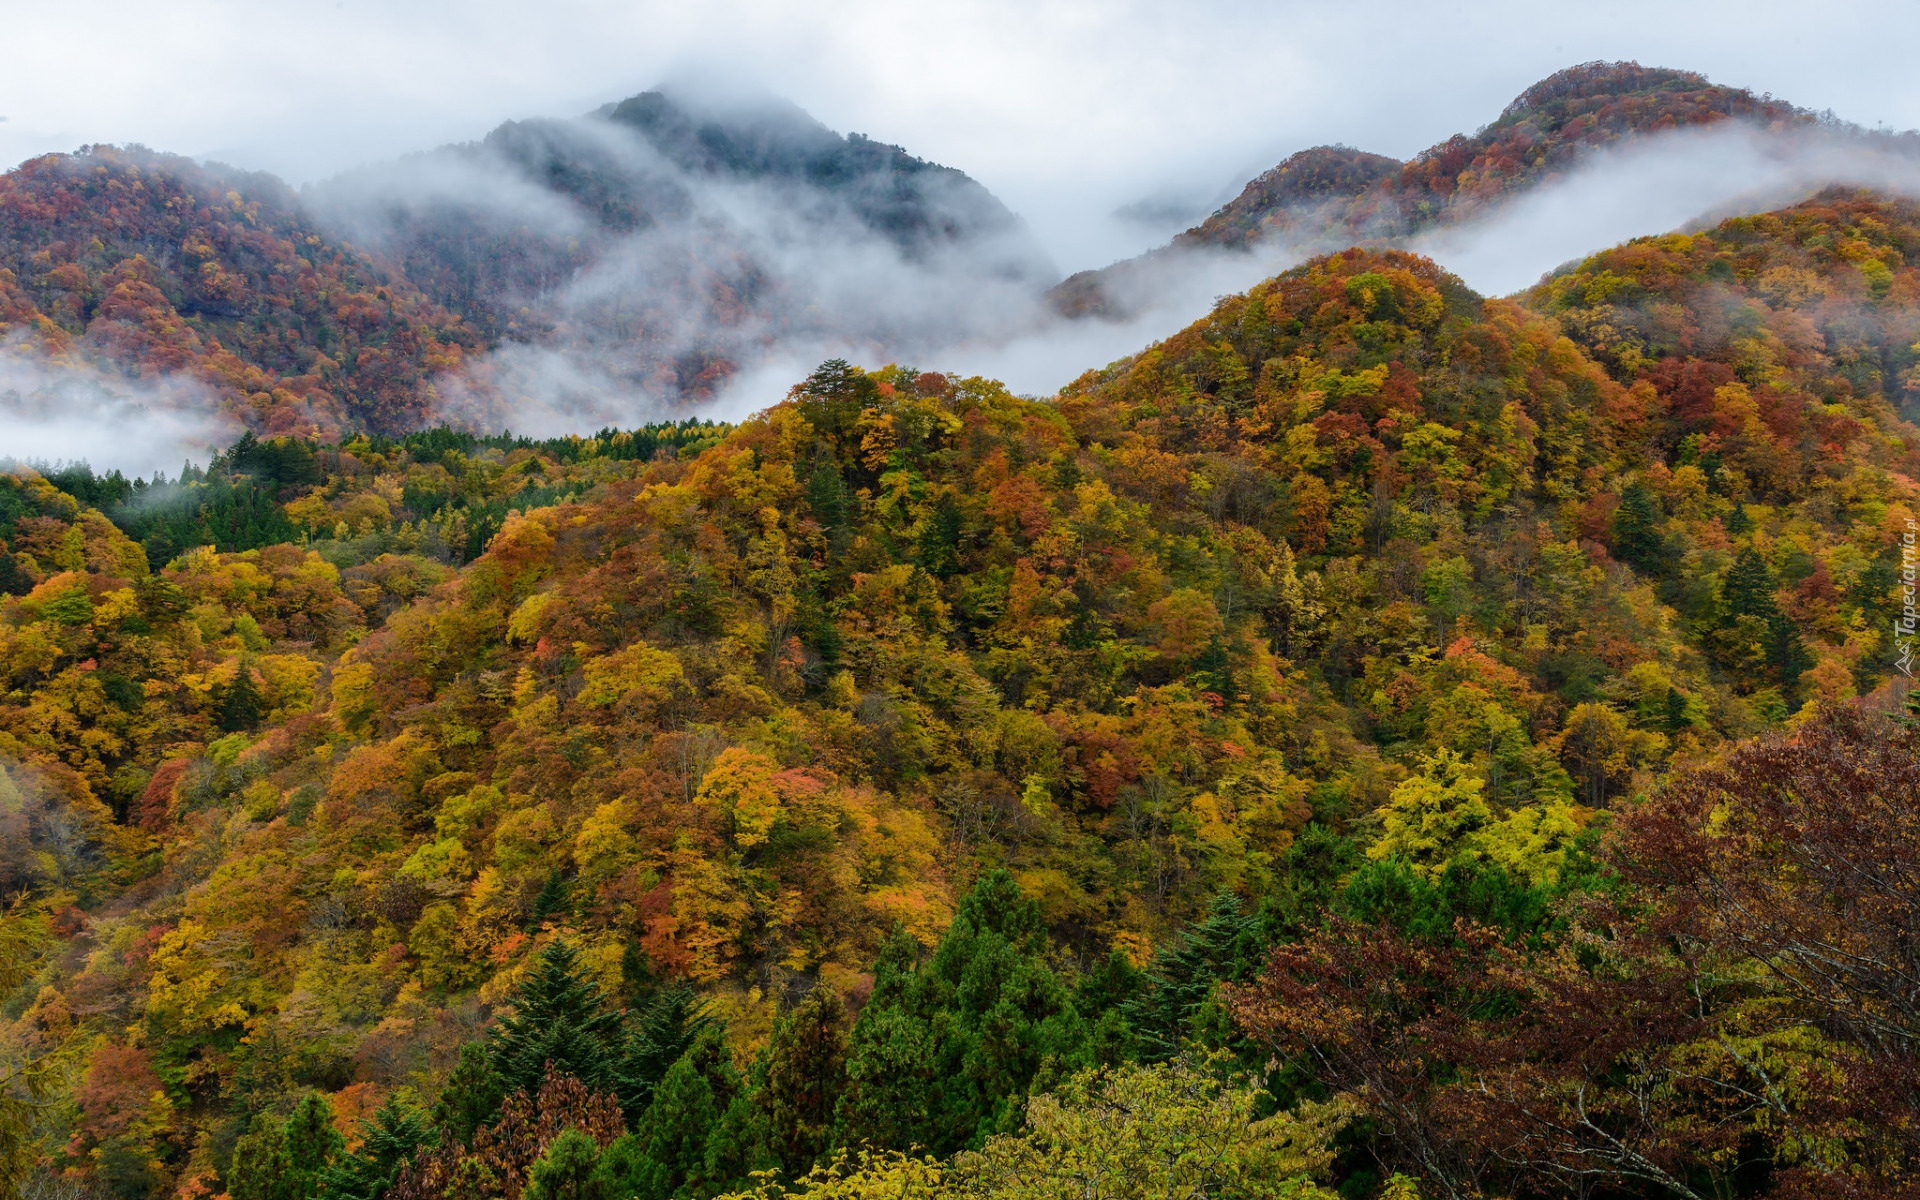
x: 240, y: 707
x: 313, y: 1146
x: 663, y: 1029
x: 387, y: 1140
x: 471, y: 1097
x: 686, y: 1110
x: 558, y: 1017
x: 1224, y: 947
x: 800, y: 1079
x: 1636, y: 527
x: 944, y: 1054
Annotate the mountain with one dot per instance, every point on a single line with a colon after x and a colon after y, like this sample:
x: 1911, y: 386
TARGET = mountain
x: 1329, y: 196
x: 161, y: 267
x: 637, y: 257
x: 667, y: 241
x: 1372, y: 675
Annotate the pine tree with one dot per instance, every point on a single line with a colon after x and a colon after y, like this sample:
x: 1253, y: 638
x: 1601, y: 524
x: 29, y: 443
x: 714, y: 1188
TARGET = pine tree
x: 1225, y: 947
x: 557, y: 1018
x: 1748, y: 588
x: 240, y: 705
x: 552, y: 898
x: 261, y: 1167
x: 1636, y: 527
x: 387, y: 1141
x: 686, y: 1108
x: 313, y: 1146
x: 662, y: 1032
x: 566, y: 1170
x: 943, y: 1056
x: 890, y: 1062
x: 471, y: 1097
x: 801, y: 1078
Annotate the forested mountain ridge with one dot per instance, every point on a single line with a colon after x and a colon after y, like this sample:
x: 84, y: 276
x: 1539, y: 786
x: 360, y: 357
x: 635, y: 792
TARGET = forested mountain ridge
x: 1331, y: 195
x: 366, y: 304
x: 1357, y: 681
x: 669, y: 238
x: 161, y: 266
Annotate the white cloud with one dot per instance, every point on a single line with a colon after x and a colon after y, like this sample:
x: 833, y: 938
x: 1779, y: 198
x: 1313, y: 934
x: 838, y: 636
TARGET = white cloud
x: 54, y: 411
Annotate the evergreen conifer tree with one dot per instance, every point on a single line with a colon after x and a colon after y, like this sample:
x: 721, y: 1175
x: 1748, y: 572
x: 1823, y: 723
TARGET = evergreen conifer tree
x: 943, y: 1057
x: 1224, y: 947
x: 240, y: 708
x: 663, y: 1030
x: 1636, y: 527
x: 566, y: 1171
x: 471, y: 1097
x: 387, y: 1141
x: 686, y: 1109
x: 1749, y: 586
x: 551, y: 899
x: 313, y: 1146
x: 558, y: 1017
x: 261, y: 1167
x: 800, y: 1080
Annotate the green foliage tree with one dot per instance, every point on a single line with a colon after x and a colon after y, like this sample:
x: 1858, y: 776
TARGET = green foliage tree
x: 240, y: 707
x: 387, y: 1140
x: 665, y: 1027
x: 313, y: 1145
x: 1224, y: 947
x: 1636, y: 527
x: 686, y: 1109
x: 943, y: 1053
x: 558, y: 1017
x: 800, y: 1080
x: 1433, y: 815
x: 471, y: 1096
x: 262, y: 1166
x: 567, y: 1171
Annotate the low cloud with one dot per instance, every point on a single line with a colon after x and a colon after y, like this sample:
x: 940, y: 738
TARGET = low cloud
x: 56, y: 410
x: 1674, y: 181
x: 1683, y: 180
x: 639, y: 288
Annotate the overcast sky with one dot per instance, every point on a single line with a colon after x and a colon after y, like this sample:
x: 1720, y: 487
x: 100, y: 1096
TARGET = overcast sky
x: 1068, y: 109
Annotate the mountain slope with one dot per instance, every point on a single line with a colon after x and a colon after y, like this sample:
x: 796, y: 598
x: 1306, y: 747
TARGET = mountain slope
x: 159, y: 266
x: 653, y: 248
x: 1329, y: 196
x: 1358, y: 578
x: 664, y: 241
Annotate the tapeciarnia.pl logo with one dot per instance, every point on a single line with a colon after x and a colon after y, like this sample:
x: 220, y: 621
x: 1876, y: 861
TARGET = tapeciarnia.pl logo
x: 1906, y: 626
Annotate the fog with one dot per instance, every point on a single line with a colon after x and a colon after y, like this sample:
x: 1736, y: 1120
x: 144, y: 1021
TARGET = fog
x: 776, y: 279
x: 617, y: 290
x: 1682, y: 180
x: 1674, y: 181
x: 54, y: 411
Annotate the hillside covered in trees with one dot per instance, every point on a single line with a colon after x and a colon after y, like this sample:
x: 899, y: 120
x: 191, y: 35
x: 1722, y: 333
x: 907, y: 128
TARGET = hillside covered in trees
x: 1379, y: 742
x: 1328, y: 196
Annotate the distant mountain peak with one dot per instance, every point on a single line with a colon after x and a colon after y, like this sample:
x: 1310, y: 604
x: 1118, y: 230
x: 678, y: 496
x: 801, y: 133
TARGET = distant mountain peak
x: 1596, y: 79
x: 1331, y: 195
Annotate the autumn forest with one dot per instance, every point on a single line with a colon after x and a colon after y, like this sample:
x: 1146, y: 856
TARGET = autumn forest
x: 1380, y: 742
